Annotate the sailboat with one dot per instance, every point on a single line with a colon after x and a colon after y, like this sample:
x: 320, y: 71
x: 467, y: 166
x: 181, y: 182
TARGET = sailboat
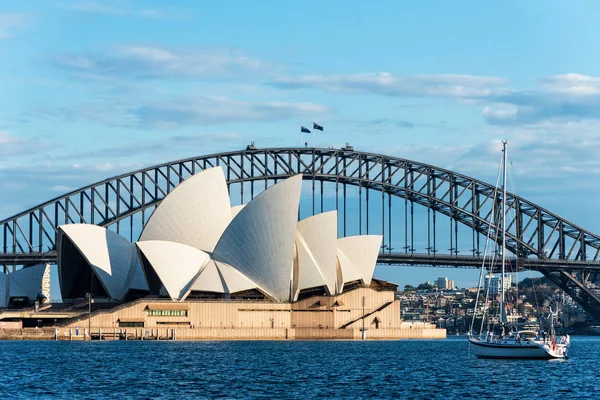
x: 524, y: 344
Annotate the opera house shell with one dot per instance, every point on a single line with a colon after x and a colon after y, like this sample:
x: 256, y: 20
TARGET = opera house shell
x: 196, y: 246
x: 25, y: 286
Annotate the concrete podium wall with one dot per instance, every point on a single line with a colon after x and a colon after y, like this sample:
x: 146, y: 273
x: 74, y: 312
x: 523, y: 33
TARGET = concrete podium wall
x: 318, y: 317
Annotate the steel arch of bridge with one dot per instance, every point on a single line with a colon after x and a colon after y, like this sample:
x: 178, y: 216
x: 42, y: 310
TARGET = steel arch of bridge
x: 566, y: 253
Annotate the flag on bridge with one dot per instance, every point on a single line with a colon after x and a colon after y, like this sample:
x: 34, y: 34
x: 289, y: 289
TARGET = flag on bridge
x: 304, y: 130
x: 317, y: 127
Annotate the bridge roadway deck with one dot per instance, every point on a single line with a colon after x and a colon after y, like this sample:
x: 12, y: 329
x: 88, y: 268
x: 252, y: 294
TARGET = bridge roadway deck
x: 462, y: 261
x: 394, y: 258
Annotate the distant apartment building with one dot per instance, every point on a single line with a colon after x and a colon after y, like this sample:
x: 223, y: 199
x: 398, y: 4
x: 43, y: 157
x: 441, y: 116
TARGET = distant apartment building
x: 493, y: 283
x: 444, y: 283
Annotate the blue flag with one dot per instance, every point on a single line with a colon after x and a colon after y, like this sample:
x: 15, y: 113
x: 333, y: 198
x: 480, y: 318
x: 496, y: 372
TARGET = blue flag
x: 317, y: 127
x: 304, y: 130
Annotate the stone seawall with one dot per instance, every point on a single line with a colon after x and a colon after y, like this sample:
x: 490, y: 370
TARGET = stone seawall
x: 219, y: 334
x: 27, y: 334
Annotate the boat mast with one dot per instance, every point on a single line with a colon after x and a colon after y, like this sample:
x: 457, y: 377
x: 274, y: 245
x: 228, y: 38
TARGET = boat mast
x: 502, y: 308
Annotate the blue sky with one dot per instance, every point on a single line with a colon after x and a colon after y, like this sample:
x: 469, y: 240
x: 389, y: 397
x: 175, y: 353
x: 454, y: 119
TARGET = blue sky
x: 90, y: 89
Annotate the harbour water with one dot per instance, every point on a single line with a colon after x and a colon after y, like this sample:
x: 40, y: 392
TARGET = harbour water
x: 420, y: 369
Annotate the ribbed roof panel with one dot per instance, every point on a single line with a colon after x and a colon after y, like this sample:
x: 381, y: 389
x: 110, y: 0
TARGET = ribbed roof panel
x: 195, y: 213
x: 259, y: 241
x: 177, y: 265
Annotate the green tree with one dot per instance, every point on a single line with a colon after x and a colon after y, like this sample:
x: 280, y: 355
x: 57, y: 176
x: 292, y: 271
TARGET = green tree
x: 425, y: 286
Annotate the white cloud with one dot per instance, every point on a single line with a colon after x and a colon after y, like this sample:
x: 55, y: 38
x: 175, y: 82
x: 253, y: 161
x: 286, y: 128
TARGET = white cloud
x: 383, y: 83
x: 500, y: 110
x: 567, y: 97
x: 178, y: 112
x: 171, y: 147
x: 212, y: 110
x: 572, y: 84
x: 10, y: 21
x: 145, y: 61
x: 554, y: 148
x: 61, y: 188
x: 11, y: 145
x: 113, y: 8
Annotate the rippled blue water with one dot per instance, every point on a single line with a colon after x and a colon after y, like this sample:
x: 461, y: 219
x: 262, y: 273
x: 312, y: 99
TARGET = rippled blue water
x: 288, y: 369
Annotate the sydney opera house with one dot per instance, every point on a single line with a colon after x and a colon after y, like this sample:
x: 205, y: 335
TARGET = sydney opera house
x: 209, y: 270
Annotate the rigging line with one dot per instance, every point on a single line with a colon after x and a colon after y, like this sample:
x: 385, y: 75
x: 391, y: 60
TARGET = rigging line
x: 511, y: 215
x: 537, y: 305
x: 491, y: 269
x: 495, y: 253
x: 487, y: 240
x: 512, y: 180
x: 502, y: 293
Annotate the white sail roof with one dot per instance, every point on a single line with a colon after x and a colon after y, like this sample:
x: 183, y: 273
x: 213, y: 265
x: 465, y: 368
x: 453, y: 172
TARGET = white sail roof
x: 177, y: 265
x: 259, y: 241
x: 309, y: 274
x: 195, y: 213
x: 348, y: 271
x: 27, y: 282
x: 209, y: 280
x: 138, y: 281
x: 219, y: 277
x: 112, y: 258
x: 317, y: 251
x: 358, y: 256
x: 339, y: 281
x: 234, y: 280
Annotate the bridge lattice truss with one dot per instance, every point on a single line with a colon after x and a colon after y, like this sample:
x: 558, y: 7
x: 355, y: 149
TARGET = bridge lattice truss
x: 367, y: 184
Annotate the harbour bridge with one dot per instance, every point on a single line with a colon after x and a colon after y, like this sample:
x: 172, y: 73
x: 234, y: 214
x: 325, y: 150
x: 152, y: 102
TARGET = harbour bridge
x: 428, y: 216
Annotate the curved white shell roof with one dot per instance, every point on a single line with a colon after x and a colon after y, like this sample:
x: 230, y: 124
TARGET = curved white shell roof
x: 317, y: 248
x: 27, y: 282
x: 139, y: 279
x: 219, y: 277
x: 177, y: 265
x: 358, y: 256
x: 209, y: 280
x: 309, y: 274
x: 234, y: 280
x: 259, y: 241
x: 112, y: 257
x: 195, y: 213
x: 339, y: 282
x: 347, y: 271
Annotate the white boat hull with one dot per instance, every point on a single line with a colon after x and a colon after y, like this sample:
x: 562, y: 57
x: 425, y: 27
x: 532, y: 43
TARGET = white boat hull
x: 517, y: 350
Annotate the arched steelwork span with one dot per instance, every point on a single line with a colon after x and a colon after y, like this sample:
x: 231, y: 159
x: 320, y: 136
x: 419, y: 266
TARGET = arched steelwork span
x: 539, y: 239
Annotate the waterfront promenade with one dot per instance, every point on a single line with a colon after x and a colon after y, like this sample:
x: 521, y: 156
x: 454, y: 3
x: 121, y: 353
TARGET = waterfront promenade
x: 409, y: 331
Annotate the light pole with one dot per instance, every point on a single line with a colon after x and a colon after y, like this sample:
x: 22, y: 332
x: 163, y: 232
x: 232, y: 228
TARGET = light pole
x: 363, y: 332
x: 89, y: 297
